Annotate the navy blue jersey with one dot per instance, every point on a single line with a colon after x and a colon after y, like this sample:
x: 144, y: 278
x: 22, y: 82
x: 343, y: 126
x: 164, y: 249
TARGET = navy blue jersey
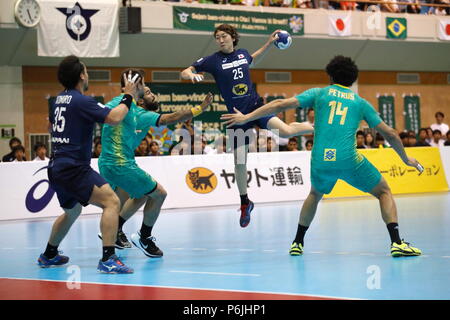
x: 73, y: 116
x: 232, y: 74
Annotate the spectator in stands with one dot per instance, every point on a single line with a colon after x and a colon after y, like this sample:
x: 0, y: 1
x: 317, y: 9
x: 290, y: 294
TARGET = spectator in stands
x: 12, y: 143
x: 40, y: 151
x: 19, y: 153
x: 439, y: 125
x: 149, y: 138
x: 412, y: 139
x: 447, y: 142
x: 429, y: 135
x: 154, y: 149
x: 437, y: 139
x: 405, y: 138
x: 187, y: 125
x: 142, y: 149
x: 348, y: 5
x: 370, y: 141
x: 271, y: 144
x: 422, y: 142
x: 292, y: 144
x: 379, y: 141
x: 334, y: 5
x: 413, y: 7
x: 390, y: 6
x: 309, y: 145
x: 310, y: 120
x: 220, y: 145
x: 97, y: 149
x: 441, y: 11
x: 302, y: 4
x: 360, y: 138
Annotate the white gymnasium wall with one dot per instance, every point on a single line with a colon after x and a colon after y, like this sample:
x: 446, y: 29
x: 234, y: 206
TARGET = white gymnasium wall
x: 11, y: 106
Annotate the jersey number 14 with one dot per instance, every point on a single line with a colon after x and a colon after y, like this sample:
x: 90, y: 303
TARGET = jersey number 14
x: 339, y: 111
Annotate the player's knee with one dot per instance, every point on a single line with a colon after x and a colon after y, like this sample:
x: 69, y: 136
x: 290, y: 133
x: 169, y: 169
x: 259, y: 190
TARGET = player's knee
x: 160, y: 193
x: 113, y: 202
x: 316, y: 194
x: 381, y: 190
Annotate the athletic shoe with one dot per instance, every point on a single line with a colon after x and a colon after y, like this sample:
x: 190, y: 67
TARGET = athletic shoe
x: 56, y: 261
x: 245, y: 213
x: 147, y: 246
x: 121, y: 241
x: 113, y: 265
x: 404, y: 249
x: 296, y: 249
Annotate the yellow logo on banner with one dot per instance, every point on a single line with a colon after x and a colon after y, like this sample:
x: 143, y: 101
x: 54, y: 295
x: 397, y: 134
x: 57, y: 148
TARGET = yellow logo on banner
x: 400, y: 177
x: 201, y: 180
x: 396, y: 27
x: 329, y: 155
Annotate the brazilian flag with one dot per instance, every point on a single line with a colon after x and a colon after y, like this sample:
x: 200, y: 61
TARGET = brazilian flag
x: 396, y: 28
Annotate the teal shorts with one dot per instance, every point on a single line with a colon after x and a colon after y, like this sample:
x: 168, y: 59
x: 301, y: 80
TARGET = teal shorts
x: 132, y: 179
x: 363, y: 177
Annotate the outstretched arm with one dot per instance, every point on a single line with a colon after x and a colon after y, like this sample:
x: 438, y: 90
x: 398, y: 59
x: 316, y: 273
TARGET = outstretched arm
x: 258, y: 55
x: 393, y: 138
x: 272, y: 107
x: 181, y: 116
x: 190, y: 74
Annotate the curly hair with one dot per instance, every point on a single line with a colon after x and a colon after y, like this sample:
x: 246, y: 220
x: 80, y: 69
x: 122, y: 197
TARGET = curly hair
x: 342, y: 70
x: 230, y: 30
x: 69, y: 71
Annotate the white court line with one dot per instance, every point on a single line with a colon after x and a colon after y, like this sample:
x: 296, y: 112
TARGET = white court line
x: 223, y: 249
x: 218, y: 273
x: 446, y: 257
x: 199, y: 249
x: 342, y: 252
x: 367, y: 254
x: 269, y: 250
x: 8, y: 248
x: 246, y: 249
x: 316, y: 252
x: 177, y: 248
x: 31, y: 248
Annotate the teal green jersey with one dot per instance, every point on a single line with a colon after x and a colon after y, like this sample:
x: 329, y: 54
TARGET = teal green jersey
x: 118, y: 142
x: 338, y: 112
x: 145, y: 119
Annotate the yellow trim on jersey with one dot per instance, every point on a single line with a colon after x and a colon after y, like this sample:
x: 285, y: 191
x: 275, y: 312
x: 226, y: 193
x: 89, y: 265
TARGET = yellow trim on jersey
x: 341, y: 86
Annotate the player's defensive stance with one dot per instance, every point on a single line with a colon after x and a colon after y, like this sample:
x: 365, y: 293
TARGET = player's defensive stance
x: 117, y: 164
x: 338, y: 112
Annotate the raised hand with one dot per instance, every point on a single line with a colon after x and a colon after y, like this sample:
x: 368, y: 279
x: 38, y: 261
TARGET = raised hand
x: 196, y: 77
x: 207, y: 101
x: 131, y: 83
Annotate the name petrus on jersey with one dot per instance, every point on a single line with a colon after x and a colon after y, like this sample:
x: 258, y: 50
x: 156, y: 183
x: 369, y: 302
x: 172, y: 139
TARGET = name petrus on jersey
x: 234, y: 64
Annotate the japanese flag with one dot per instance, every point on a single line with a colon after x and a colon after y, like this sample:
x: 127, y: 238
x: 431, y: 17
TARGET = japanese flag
x: 444, y: 29
x: 340, y: 25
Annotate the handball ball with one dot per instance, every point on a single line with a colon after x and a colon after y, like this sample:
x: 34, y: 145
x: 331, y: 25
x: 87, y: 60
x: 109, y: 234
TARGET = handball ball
x: 284, y: 40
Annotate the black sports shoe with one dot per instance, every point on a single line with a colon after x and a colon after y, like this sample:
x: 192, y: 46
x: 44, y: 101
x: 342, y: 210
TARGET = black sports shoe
x: 121, y: 241
x: 147, y: 246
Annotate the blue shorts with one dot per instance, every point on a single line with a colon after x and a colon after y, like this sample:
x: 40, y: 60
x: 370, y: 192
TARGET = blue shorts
x: 132, y: 179
x: 261, y: 123
x: 363, y: 177
x: 72, y: 182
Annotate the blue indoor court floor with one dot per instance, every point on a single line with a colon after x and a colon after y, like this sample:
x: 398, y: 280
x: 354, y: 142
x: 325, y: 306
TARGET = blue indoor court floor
x: 207, y: 252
